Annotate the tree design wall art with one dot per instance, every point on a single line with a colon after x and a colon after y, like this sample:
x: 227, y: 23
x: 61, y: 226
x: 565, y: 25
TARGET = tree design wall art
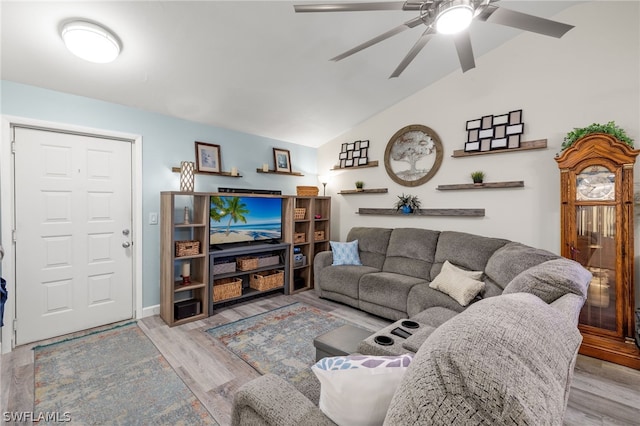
x: 413, y: 155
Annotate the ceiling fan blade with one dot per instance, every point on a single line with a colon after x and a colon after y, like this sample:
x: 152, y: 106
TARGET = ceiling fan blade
x: 462, y: 41
x: 523, y: 21
x: 349, y: 7
x: 400, y: 28
x: 417, y: 47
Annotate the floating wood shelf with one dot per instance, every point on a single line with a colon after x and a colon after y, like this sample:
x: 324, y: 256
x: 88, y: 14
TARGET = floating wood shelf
x: 369, y: 164
x: 524, y: 146
x: 424, y: 212
x: 280, y: 173
x: 177, y: 170
x: 364, y: 191
x: 485, y: 185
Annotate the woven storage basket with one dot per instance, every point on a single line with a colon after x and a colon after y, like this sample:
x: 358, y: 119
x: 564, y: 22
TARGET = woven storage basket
x: 318, y: 235
x: 266, y: 280
x: 307, y: 191
x: 247, y: 263
x: 187, y: 248
x: 226, y: 288
x: 268, y: 261
x: 224, y: 267
x: 298, y: 237
x: 299, y: 213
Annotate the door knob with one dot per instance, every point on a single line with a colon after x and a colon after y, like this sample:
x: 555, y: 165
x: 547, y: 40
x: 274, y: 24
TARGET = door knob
x: 126, y: 244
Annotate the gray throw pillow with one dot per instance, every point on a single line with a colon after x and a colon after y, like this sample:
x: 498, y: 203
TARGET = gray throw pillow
x: 551, y: 280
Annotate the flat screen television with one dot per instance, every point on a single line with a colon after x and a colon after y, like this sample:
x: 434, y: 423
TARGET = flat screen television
x: 244, y: 219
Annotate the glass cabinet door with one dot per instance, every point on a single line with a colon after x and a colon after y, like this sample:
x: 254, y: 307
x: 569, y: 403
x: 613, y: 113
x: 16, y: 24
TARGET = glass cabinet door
x: 596, y: 251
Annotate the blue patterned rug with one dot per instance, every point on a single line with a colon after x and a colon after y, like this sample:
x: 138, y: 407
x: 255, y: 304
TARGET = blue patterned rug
x: 280, y: 342
x: 115, y: 376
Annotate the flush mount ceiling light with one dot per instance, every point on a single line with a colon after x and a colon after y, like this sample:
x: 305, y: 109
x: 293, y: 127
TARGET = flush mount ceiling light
x: 90, y: 42
x: 453, y: 16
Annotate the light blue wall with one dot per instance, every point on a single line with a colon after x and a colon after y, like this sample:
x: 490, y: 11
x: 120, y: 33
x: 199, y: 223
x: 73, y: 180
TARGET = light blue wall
x: 166, y: 141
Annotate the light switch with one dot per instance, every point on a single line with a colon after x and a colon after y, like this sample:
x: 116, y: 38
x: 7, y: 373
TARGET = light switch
x: 153, y: 218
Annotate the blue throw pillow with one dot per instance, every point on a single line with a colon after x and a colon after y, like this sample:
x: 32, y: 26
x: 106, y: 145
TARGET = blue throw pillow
x: 345, y: 253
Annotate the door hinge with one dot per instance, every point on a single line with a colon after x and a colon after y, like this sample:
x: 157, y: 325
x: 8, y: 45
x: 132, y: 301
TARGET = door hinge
x: 13, y: 235
x: 15, y: 325
x: 13, y: 147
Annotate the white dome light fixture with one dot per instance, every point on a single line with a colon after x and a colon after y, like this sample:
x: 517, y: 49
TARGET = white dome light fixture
x: 90, y: 42
x: 453, y: 16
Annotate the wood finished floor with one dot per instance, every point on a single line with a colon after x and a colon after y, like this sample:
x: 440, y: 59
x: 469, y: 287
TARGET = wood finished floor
x: 601, y: 394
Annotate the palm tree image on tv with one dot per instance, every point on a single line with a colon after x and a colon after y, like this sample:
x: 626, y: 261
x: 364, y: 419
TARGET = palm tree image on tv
x: 231, y: 207
x: 242, y: 219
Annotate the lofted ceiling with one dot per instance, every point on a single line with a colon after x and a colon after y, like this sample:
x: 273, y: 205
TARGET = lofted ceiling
x: 252, y: 66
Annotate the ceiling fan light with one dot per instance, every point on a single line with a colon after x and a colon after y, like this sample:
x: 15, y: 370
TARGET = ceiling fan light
x: 90, y: 42
x: 454, y: 16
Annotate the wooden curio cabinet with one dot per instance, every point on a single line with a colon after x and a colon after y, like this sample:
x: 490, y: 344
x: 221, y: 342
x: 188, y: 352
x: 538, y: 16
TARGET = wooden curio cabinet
x: 596, y: 220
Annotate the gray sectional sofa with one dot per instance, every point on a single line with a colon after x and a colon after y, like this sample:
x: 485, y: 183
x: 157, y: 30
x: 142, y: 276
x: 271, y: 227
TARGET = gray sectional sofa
x: 506, y: 359
x: 398, y: 265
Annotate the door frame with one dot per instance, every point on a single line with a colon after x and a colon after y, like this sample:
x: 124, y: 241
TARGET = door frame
x: 7, y: 211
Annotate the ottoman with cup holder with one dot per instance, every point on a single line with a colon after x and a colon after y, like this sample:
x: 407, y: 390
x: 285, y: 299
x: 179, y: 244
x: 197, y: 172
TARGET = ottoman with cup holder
x: 401, y: 337
x: 341, y: 341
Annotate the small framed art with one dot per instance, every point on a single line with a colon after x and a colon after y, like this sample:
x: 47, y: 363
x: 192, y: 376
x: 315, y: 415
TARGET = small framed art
x: 282, y: 160
x: 207, y: 157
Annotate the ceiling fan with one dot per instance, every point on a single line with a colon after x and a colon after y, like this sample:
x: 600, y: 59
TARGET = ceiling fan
x: 444, y: 17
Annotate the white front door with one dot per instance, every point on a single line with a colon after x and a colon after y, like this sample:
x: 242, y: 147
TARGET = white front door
x: 73, y: 232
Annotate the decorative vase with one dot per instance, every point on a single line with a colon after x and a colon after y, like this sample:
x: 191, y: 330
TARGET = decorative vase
x: 407, y: 210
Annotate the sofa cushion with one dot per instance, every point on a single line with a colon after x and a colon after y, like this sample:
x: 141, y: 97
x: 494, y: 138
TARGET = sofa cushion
x: 506, y: 360
x: 345, y: 253
x: 465, y: 250
x: 411, y: 252
x: 463, y: 286
x: 344, y: 279
x: 387, y: 289
x: 511, y: 259
x: 357, y: 389
x: 372, y: 244
x: 551, y: 280
x: 435, y: 316
x: 423, y: 297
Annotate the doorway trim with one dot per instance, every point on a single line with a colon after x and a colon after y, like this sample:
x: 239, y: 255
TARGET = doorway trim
x: 7, y: 210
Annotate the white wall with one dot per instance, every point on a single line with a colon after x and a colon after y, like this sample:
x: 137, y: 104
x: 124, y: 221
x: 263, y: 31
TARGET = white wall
x: 590, y: 75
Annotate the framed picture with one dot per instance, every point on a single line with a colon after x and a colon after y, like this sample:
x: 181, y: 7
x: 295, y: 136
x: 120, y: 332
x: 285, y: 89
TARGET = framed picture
x: 413, y: 155
x: 282, y: 160
x: 207, y: 157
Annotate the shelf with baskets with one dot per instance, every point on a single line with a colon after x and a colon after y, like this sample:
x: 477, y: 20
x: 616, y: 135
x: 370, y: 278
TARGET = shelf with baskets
x: 238, y: 273
x: 307, y: 228
x: 184, y: 252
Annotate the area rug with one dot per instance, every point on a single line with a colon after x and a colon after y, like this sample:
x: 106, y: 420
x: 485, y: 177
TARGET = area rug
x: 280, y: 342
x: 115, y: 376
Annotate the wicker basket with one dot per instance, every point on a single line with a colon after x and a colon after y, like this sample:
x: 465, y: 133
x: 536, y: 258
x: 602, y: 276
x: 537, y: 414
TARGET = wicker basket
x: 299, y: 213
x: 318, y: 235
x: 226, y: 288
x: 187, y: 248
x: 247, y: 263
x: 224, y: 267
x: 266, y: 280
x: 307, y: 191
x: 298, y: 237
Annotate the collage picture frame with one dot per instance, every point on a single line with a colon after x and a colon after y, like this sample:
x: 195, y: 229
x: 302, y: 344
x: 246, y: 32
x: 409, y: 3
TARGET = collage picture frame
x: 354, y: 154
x: 494, y: 132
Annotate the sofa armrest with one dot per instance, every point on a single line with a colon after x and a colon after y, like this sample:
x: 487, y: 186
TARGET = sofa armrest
x: 271, y: 400
x: 321, y: 261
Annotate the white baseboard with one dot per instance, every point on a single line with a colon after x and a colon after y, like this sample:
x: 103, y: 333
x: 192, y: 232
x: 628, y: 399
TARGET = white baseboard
x: 150, y: 311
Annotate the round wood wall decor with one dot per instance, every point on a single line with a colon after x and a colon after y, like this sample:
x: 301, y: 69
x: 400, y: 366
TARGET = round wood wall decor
x: 413, y: 155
